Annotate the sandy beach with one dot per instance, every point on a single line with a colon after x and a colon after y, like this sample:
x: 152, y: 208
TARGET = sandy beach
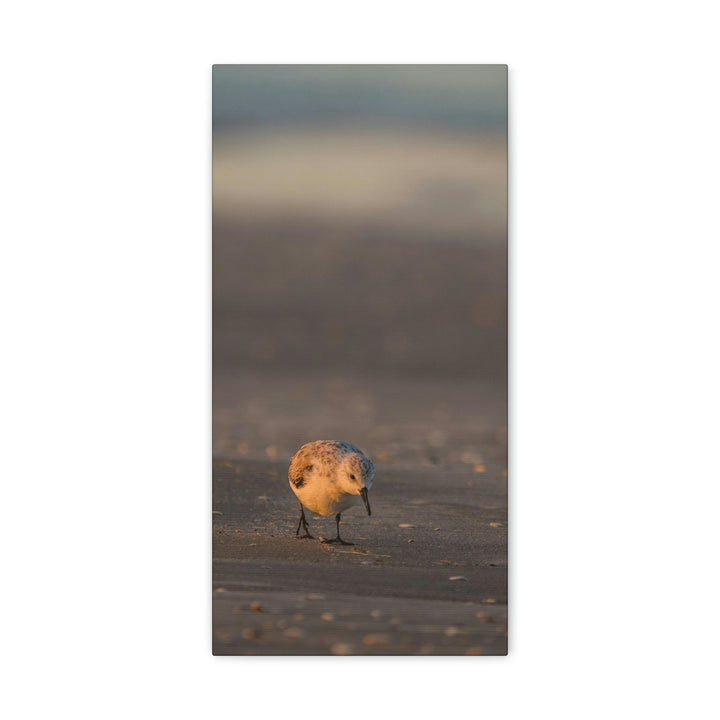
x: 401, y: 350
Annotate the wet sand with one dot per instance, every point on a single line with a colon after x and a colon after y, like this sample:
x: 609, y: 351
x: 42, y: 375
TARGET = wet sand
x: 389, y: 594
x: 393, y: 337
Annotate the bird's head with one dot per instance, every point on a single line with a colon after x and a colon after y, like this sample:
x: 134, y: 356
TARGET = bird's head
x: 356, y: 477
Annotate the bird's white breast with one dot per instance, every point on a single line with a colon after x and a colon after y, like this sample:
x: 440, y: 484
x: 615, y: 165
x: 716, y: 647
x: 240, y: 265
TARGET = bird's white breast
x: 324, y: 498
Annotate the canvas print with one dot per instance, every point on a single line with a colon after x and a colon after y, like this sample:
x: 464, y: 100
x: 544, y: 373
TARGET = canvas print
x: 360, y: 465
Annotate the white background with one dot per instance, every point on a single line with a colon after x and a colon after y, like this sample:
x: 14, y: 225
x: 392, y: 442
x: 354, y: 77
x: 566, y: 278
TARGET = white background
x: 105, y: 301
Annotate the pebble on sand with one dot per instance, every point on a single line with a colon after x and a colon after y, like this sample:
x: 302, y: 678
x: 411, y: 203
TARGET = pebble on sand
x: 458, y: 577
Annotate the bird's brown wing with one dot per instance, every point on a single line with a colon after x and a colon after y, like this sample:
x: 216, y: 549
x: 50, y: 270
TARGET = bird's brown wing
x: 299, y: 465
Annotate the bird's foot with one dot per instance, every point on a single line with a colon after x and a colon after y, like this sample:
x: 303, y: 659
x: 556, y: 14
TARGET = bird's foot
x: 306, y: 536
x: 336, y: 540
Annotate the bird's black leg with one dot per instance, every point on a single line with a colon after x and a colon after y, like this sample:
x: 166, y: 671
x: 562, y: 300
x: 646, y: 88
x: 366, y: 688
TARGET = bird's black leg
x: 338, y: 539
x: 303, y: 522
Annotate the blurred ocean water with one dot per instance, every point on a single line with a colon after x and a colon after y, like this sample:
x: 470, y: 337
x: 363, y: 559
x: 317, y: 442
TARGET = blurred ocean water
x: 423, y: 96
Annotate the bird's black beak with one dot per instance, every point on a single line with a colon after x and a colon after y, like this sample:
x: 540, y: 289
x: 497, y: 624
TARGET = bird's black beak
x: 363, y: 493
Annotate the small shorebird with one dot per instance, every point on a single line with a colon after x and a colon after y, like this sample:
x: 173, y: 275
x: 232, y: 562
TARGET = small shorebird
x: 328, y: 477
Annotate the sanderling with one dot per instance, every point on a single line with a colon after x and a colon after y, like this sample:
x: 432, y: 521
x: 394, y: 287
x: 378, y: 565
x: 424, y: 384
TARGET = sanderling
x: 328, y: 477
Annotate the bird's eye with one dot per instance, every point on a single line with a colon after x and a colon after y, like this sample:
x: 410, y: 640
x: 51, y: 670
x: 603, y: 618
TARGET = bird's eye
x: 352, y: 477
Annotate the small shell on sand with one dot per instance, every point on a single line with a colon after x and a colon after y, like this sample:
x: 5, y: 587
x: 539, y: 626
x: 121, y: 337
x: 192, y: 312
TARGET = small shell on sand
x: 294, y: 632
x: 341, y: 649
x: 376, y: 639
